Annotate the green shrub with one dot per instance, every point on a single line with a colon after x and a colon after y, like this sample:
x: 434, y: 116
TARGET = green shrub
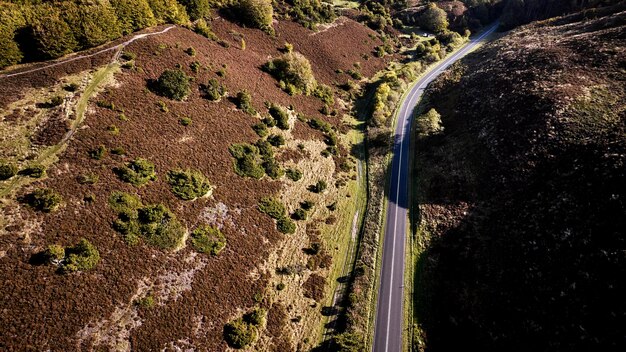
x: 256, y: 317
x: 88, y: 179
x: 272, y: 207
x: 214, y: 90
x: 72, y: 87
x: 185, y: 121
x: 105, y: 104
x: 137, y: 172
x: 429, y: 124
x: 247, y: 160
x: 197, y: 9
x: 286, y: 226
x: 159, y: 227
x: 276, y: 140
x: 7, y: 170
x: 98, y: 153
x: 204, y: 29
x: 34, y: 171
x: 272, y: 169
x: 320, y: 125
x: 332, y: 207
x: 146, y: 302
x: 295, y: 71
x: 299, y: 214
x: 188, y: 184
x: 43, y: 199
x: 319, y: 187
x: 123, y: 202
x: 114, y: 130
x: 280, y: 286
x: 83, y: 256
x: 294, y: 174
x: 325, y: 93
x: 269, y: 121
x: 239, y: 334
x: 173, y: 84
x: 310, y: 12
x: 190, y: 51
x: 118, y: 151
x: 244, y: 102
x: 54, y: 101
x: 261, y: 129
x: 195, y: 66
x: 256, y: 13
x: 54, y: 254
x: 208, y: 239
x: 307, y: 205
x: 89, y: 198
x: 280, y: 116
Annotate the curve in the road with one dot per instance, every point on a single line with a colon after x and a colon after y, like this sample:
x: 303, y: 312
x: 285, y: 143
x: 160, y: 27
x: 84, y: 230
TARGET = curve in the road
x: 388, y: 329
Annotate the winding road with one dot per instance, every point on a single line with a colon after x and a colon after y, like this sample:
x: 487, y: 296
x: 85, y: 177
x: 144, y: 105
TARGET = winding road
x: 389, y: 328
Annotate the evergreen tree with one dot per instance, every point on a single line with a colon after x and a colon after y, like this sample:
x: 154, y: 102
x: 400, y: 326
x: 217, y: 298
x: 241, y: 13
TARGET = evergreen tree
x: 133, y: 15
x: 169, y: 11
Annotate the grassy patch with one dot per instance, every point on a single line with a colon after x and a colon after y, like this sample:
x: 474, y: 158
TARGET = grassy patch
x: 43, y: 199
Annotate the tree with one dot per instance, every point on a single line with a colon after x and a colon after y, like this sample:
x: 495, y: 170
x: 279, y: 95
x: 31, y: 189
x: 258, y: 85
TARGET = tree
x: 429, y: 124
x: 294, y: 70
x: 168, y: 11
x: 197, y: 9
x: 133, y: 15
x: 11, y: 19
x: 93, y: 24
x: 256, y: 13
x: 239, y: 334
x: 51, y: 35
x: 83, y: 256
x: 173, y: 84
x: 434, y: 19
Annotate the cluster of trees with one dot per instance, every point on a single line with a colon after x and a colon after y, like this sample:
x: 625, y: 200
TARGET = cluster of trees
x: 518, y: 12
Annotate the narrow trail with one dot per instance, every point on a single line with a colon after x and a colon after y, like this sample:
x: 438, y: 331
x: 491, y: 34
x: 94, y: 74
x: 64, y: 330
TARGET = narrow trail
x: 116, y: 56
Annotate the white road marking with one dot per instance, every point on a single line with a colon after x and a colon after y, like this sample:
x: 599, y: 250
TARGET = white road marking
x: 406, y: 116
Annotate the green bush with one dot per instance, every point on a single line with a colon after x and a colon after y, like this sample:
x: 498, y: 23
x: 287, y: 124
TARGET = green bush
x: 319, y: 187
x: 191, y: 51
x: 83, y: 256
x: 204, y: 29
x: 244, y: 102
x: 239, y: 334
x: 88, y: 179
x: 310, y: 12
x: 98, y: 153
x: 272, y: 207
x: 261, y: 129
x: 146, y: 302
x: 54, y: 254
x: 34, y: 171
x: 173, y: 84
x: 188, y: 184
x: 295, y: 71
x: 123, y: 202
x: 118, y: 151
x: 294, y: 174
x: 208, y: 239
x: 429, y: 124
x: 280, y: 116
x: 299, y: 214
x: 307, y: 205
x: 321, y: 125
x: 276, y: 140
x: 280, y: 286
x: 286, y: 226
x: 7, y: 170
x: 137, y: 172
x: 256, y: 13
x: 256, y: 317
x: 159, y: 227
x: 214, y: 90
x: 195, y: 66
x: 247, y: 160
x: 54, y: 101
x: 325, y: 93
x: 185, y: 121
x: 93, y: 24
x: 197, y: 9
x: 272, y: 169
x: 43, y: 199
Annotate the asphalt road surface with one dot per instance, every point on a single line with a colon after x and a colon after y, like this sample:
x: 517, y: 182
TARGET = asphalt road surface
x: 389, y: 314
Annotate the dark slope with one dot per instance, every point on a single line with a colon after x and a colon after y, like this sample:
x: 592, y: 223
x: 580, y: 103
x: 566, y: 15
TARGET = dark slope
x: 524, y: 194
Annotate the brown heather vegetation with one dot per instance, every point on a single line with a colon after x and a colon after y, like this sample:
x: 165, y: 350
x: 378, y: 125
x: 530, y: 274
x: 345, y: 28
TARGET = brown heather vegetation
x: 184, y: 298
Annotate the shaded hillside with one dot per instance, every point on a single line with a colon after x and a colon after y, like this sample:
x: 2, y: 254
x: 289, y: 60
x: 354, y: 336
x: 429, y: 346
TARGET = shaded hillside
x: 522, y: 194
x: 173, y: 275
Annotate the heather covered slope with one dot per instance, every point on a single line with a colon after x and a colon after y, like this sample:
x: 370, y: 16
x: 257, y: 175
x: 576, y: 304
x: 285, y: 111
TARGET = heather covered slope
x: 521, y: 197
x: 139, y: 296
